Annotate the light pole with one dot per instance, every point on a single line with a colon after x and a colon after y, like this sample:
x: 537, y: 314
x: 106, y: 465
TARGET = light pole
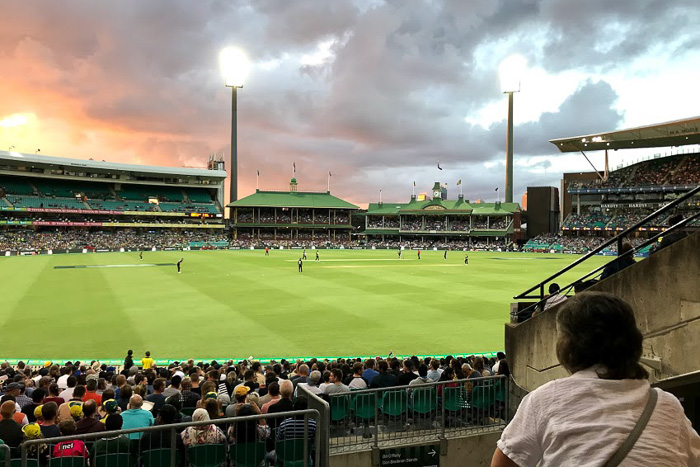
x: 234, y: 67
x: 510, y: 70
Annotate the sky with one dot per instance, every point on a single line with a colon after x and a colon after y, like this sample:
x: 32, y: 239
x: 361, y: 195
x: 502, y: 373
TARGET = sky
x: 375, y: 92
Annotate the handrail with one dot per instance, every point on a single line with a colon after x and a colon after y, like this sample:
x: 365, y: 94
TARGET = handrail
x: 615, y: 239
x: 593, y: 274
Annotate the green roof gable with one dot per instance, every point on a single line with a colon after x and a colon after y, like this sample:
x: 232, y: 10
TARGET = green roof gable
x: 288, y: 199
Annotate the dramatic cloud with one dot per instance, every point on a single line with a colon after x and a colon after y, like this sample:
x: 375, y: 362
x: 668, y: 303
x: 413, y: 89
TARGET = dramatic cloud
x: 374, y: 91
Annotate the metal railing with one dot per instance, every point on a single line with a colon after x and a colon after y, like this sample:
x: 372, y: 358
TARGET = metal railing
x: 540, y: 287
x: 162, y: 445
x: 402, y: 415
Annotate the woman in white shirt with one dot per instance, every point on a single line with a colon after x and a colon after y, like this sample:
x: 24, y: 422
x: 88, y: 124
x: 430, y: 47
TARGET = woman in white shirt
x: 582, y: 420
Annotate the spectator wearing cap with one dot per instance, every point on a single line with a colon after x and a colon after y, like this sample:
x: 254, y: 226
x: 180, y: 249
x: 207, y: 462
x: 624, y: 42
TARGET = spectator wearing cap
x: 22, y: 399
x: 167, y: 415
x: 157, y: 398
x: 311, y: 383
x: 36, y: 451
x: 272, y: 396
x: 285, y: 404
x: 64, y: 410
x: 72, y: 448
x: 91, y: 389
x: 10, y: 431
x: 89, y: 423
x: 174, y: 387
x: 37, y: 400
x: 240, y: 394
x: 119, y: 444
x: 49, y: 412
x: 110, y: 407
x: 136, y: 417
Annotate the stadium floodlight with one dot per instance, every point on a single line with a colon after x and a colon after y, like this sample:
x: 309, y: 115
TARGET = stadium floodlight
x: 234, y: 67
x: 511, y: 70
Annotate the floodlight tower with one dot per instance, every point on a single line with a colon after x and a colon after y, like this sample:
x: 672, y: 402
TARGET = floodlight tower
x: 234, y: 67
x: 511, y: 70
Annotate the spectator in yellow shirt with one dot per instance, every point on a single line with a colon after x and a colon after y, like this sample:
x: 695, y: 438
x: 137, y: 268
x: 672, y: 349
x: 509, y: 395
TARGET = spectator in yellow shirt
x: 147, y: 362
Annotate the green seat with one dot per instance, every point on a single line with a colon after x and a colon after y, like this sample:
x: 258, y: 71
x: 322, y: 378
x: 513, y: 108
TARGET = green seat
x: 340, y: 407
x: 73, y: 461
x: 188, y: 411
x: 206, y: 455
x: 290, y: 452
x: 483, y: 396
x: 158, y: 458
x: 113, y: 460
x: 363, y: 405
x: 248, y: 454
x: 501, y: 390
x: 454, y: 399
x: 424, y: 401
x: 394, y: 403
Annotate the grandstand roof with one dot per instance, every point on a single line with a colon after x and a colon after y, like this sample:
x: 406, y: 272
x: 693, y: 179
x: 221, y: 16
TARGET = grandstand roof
x: 292, y: 199
x: 676, y: 133
x: 16, y: 158
x: 439, y: 206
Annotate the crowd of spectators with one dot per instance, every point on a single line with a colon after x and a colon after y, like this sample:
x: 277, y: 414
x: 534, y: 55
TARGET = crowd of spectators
x: 681, y: 169
x: 80, y: 398
x: 574, y: 244
x: 30, y: 240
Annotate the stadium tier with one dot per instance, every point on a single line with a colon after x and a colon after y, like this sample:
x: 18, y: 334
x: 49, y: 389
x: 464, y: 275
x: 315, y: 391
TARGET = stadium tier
x: 51, y: 196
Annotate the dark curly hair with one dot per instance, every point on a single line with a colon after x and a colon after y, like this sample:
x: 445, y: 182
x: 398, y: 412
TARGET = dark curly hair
x: 598, y: 328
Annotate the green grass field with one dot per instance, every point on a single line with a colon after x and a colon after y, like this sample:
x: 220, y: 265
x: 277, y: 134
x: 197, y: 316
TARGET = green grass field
x: 233, y: 304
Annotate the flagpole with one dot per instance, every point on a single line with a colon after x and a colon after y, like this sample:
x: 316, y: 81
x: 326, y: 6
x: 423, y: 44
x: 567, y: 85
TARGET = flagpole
x: 380, y: 196
x: 329, y: 181
x: 257, y: 181
x: 413, y: 192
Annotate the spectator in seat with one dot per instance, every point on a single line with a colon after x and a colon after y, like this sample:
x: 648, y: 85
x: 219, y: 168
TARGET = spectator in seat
x: 18, y: 416
x: 384, y: 379
x: 554, y: 298
x: 356, y: 381
x: 422, y: 376
x: 369, y: 373
x: 311, y: 384
x: 202, y: 434
x: 499, y: 356
x: 125, y: 393
x: 673, y: 237
x: 174, y: 387
x: 119, y: 444
x: 434, y: 372
x: 586, y: 417
x: 161, y: 439
x: 73, y: 448
x: 37, y: 400
x: 623, y: 260
x: 10, y: 431
x: 67, y: 394
x: 250, y: 430
x: 91, y: 390
x: 89, y: 423
x: 136, y: 417
x: 272, y: 396
x: 407, y: 375
x: 285, y: 404
x: 49, y: 412
x: 336, y: 386
x: 158, y: 398
x: 36, y: 451
x: 54, y: 391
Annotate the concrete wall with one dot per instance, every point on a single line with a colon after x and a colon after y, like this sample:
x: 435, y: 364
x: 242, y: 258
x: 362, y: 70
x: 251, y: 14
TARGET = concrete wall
x: 474, y: 451
x: 664, y: 291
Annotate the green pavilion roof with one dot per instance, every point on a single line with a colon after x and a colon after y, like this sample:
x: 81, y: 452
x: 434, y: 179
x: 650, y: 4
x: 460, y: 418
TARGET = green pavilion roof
x: 292, y: 199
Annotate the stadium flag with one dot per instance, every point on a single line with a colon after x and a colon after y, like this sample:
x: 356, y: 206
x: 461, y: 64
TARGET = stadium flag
x: 496, y: 189
x: 439, y: 168
x: 414, y: 183
x: 329, y: 181
x: 459, y: 182
x: 294, y: 167
x: 257, y: 181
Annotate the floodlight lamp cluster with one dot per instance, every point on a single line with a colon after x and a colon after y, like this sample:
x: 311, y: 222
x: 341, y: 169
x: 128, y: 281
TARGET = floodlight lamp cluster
x: 234, y: 66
